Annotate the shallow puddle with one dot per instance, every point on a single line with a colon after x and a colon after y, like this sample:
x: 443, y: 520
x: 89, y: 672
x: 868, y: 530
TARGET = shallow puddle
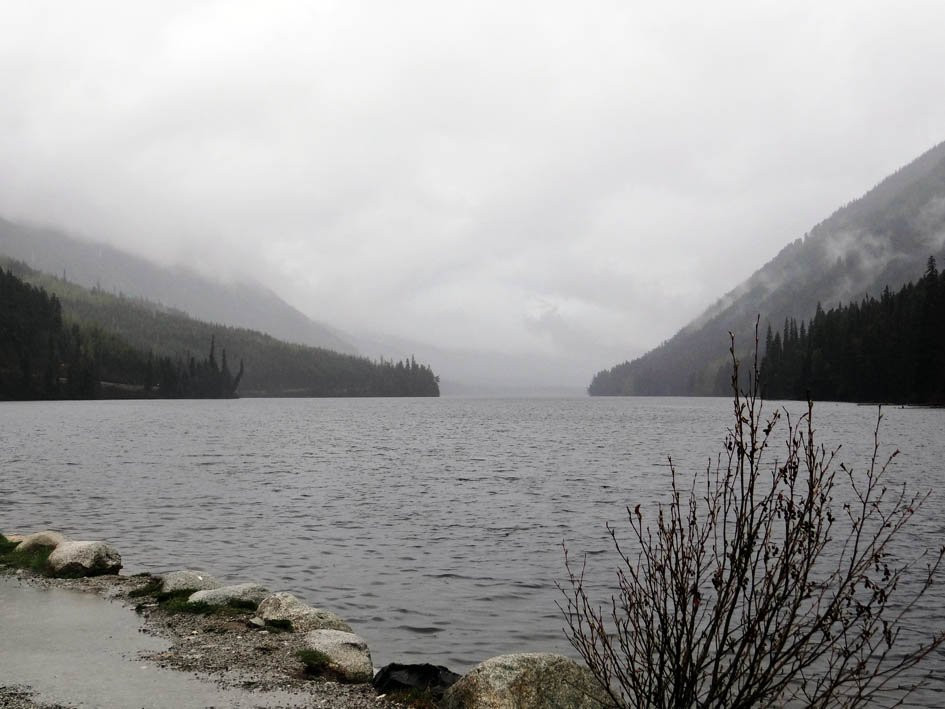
x: 77, y: 649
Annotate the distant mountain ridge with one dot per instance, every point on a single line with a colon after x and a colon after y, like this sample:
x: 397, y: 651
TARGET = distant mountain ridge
x: 883, y: 238
x: 174, y: 291
x: 99, y: 265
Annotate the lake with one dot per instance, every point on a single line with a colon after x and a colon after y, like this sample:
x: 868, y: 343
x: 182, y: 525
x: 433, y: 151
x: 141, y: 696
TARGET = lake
x: 434, y: 526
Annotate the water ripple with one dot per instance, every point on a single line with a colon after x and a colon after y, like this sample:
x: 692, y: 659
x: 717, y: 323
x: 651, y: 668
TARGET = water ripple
x: 434, y: 525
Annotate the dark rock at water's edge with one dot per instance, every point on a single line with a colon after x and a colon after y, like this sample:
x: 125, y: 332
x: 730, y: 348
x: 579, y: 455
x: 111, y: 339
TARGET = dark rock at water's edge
x: 397, y: 677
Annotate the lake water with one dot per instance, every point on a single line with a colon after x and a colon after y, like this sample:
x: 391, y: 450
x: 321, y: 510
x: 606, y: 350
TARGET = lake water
x: 433, y: 525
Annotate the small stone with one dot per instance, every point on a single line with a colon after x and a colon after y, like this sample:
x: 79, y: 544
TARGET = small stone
x: 251, y: 592
x: 348, y: 654
x: 285, y: 606
x: 257, y: 622
x: 188, y: 581
x: 77, y: 559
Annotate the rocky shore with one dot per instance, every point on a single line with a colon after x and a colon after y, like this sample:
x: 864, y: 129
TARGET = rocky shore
x: 247, y: 639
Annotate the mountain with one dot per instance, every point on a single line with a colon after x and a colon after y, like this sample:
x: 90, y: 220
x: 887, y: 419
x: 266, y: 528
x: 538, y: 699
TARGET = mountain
x: 98, y: 265
x: 882, y: 239
x: 272, y: 367
x: 177, y: 291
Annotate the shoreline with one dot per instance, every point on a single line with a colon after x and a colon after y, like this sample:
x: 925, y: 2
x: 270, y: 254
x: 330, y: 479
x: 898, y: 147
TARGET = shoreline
x: 238, y: 645
x: 226, y: 653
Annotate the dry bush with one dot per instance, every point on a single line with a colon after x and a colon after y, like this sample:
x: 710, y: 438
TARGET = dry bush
x: 754, y: 586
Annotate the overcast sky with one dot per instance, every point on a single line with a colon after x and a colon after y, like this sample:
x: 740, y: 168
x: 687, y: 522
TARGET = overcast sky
x: 575, y: 179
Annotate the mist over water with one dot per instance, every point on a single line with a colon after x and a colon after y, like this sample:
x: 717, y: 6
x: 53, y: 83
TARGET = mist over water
x: 433, y: 526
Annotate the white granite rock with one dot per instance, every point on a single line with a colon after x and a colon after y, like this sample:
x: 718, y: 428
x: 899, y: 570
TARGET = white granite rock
x: 251, y: 592
x: 534, y: 680
x: 187, y: 580
x: 84, y: 559
x: 285, y: 606
x: 348, y: 654
x: 47, y: 539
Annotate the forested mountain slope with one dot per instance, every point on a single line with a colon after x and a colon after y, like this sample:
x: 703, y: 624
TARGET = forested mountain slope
x: 272, y: 367
x: 44, y: 357
x: 99, y: 265
x: 889, y: 349
x: 882, y: 239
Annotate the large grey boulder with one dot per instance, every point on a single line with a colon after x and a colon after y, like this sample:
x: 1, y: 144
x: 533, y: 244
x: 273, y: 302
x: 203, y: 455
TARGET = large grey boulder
x: 45, y: 539
x: 241, y: 592
x: 188, y: 581
x: 304, y: 618
x: 76, y: 559
x: 533, y: 680
x: 348, y: 656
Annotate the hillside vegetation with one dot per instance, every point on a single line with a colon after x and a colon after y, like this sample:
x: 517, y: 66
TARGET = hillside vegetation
x: 883, y: 238
x: 890, y: 349
x: 43, y: 357
x: 272, y: 367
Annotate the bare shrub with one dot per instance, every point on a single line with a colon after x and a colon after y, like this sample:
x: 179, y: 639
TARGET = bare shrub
x: 754, y: 587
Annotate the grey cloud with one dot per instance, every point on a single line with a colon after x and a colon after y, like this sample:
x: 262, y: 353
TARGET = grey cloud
x: 444, y: 171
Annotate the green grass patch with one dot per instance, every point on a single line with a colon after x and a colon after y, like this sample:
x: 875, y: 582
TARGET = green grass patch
x: 6, y: 546
x: 316, y: 662
x: 242, y: 604
x: 176, y: 602
x: 166, y: 596
x: 180, y: 604
x: 280, y: 625
x: 151, y: 588
x: 34, y: 560
x: 414, y: 698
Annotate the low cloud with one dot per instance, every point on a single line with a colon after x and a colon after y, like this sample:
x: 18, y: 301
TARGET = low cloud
x: 436, y: 170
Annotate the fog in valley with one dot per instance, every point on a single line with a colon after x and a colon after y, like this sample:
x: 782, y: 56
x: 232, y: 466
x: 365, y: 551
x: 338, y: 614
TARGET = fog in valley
x: 518, y: 194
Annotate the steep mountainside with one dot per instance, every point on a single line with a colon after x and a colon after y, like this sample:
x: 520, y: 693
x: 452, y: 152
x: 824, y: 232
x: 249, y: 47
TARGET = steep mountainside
x: 883, y: 238
x: 99, y: 265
